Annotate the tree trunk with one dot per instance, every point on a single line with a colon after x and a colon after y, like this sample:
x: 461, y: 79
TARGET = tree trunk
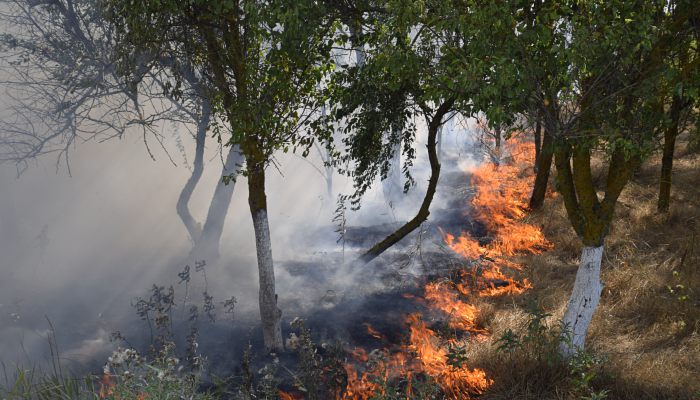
x: 424, y: 210
x: 9, y: 230
x: 270, y: 314
x: 392, y: 187
x: 329, y: 183
x: 544, y: 166
x: 183, y: 211
x: 359, y: 52
x: 439, y: 140
x: 497, y: 133
x: 207, y: 245
x: 538, y: 143
x: 583, y: 302
x: 591, y: 219
x: 495, y: 152
x: 670, y: 135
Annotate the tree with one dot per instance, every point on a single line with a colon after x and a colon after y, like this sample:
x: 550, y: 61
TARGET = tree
x: 59, y: 81
x: 589, y: 72
x: 64, y: 89
x: 264, y: 62
x: 615, y: 112
x: 680, y: 84
x: 402, y: 76
x: 192, y: 102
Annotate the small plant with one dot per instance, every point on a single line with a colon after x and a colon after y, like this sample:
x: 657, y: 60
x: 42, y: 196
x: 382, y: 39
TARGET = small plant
x: 509, y: 342
x: 128, y: 375
x: 677, y: 289
x: 583, y: 368
x: 339, y: 217
x: 539, y: 340
x: 457, y: 356
x: 540, y: 343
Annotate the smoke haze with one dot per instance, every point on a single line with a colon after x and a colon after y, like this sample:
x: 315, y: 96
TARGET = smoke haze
x: 77, y: 250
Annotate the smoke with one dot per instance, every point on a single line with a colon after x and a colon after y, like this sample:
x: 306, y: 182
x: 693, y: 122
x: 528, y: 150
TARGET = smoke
x: 77, y: 250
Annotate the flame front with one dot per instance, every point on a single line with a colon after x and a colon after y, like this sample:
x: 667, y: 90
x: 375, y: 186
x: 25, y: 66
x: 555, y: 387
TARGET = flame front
x: 500, y: 204
x: 457, y: 381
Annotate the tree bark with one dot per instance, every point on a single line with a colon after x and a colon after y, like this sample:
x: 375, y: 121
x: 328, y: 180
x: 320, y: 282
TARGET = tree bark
x: 591, y: 219
x: 329, y: 183
x: 670, y: 135
x: 392, y: 188
x: 207, y: 245
x: 270, y: 314
x: 538, y: 143
x: 194, y: 229
x: 583, y: 302
x: 498, y: 134
x: 424, y: 210
x: 439, y: 141
x: 543, y: 168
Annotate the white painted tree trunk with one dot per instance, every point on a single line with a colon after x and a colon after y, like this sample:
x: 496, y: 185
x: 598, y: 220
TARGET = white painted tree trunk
x: 392, y: 187
x: 583, y: 302
x: 270, y: 314
x: 207, y: 245
x: 194, y: 229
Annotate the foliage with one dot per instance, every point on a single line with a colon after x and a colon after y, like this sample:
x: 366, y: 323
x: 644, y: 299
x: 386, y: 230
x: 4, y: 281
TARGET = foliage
x: 130, y: 376
x: 539, y: 342
x: 264, y: 61
x: 402, y: 77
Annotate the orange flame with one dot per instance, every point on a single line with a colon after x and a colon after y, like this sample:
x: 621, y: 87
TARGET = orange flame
x: 287, y: 396
x: 461, y: 315
x: 373, y: 332
x: 500, y: 204
x: 458, y: 382
x: 106, y: 386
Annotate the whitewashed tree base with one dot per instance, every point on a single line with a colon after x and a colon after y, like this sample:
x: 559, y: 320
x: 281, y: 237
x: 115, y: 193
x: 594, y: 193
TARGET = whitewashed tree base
x: 583, y: 302
x: 270, y: 314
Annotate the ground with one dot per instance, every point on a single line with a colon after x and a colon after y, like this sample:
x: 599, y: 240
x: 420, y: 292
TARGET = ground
x: 647, y: 326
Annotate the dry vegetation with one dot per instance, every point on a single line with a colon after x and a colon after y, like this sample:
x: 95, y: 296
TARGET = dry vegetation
x: 647, y: 327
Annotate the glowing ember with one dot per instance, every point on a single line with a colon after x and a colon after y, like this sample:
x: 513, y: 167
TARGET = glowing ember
x: 286, y: 396
x: 106, y: 386
x: 373, y: 332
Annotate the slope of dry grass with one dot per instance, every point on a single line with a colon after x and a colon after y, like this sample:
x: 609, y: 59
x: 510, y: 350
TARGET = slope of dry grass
x: 647, y: 326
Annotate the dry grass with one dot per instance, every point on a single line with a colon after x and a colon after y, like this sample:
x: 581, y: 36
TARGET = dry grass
x: 646, y: 327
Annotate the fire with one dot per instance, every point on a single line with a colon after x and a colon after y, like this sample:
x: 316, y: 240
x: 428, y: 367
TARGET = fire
x: 425, y: 353
x: 286, y: 396
x: 461, y: 315
x: 373, y: 332
x: 457, y: 381
x: 500, y: 204
x: 106, y: 386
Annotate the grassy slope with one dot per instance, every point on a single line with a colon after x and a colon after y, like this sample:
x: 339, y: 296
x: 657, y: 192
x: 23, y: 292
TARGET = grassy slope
x: 649, y: 338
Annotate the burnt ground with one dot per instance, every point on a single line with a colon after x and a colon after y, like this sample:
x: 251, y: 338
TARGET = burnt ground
x: 337, y: 299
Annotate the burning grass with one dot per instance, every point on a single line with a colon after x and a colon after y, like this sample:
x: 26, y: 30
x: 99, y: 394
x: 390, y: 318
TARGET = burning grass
x: 644, y: 341
x: 491, y: 329
x: 500, y: 205
x: 647, y: 326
